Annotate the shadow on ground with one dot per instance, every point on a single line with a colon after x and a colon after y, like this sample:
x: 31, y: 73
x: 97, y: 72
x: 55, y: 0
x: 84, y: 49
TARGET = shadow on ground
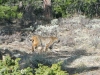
x: 33, y: 59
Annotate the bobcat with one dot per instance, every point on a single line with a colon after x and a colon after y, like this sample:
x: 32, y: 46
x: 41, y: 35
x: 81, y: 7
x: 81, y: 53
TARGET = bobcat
x: 45, y: 42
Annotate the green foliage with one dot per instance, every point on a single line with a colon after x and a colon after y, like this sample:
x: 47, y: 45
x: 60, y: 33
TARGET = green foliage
x: 9, y: 9
x: 9, y: 12
x: 55, y: 69
x: 9, y: 66
x: 89, y: 8
x: 59, y: 6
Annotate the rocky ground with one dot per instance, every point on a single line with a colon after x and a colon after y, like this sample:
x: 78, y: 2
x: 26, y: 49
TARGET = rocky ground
x: 79, y: 45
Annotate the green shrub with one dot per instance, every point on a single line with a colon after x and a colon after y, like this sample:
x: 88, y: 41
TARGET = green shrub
x: 9, y: 9
x: 89, y: 8
x: 9, y: 12
x: 9, y: 66
x: 55, y: 69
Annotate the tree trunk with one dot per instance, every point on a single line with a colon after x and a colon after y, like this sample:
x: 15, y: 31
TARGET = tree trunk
x: 47, y: 9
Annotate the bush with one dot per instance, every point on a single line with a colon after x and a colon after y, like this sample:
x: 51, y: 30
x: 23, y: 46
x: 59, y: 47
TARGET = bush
x: 9, y: 12
x: 60, y: 8
x: 9, y: 66
x: 89, y: 8
x: 55, y: 69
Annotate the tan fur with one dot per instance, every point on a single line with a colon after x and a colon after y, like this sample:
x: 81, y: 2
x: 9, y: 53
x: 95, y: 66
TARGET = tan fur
x: 45, y: 42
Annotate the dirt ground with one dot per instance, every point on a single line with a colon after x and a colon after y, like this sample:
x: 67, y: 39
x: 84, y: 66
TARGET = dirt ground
x: 79, y: 46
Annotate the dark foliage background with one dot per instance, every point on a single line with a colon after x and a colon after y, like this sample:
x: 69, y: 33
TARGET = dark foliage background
x: 18, y: 15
